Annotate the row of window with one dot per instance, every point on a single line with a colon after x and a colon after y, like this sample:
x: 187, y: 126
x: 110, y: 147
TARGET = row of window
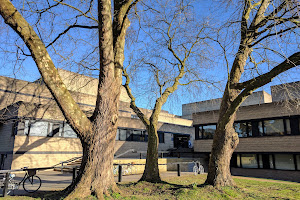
x: 254, y: 128
x: 51, y: 129
x: 266, y: 161
x: 137, y: 135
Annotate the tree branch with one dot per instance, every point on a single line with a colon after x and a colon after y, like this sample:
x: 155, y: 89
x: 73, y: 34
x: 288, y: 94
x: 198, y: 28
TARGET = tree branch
x: 136, y: 109
x: 292, y: 61
x: 70, y: 27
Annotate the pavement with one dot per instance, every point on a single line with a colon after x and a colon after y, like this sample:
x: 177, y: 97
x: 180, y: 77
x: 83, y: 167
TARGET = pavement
x: 55, y: 180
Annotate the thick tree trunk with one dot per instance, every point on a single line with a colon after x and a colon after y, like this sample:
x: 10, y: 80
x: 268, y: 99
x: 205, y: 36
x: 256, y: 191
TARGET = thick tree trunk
x: 151, y: 172
x: 96, y: 172
x: 224, y: 144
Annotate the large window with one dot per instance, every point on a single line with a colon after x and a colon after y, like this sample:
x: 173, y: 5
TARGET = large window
x: 132, y: 135
x: 38, y: 128
x: 274, y: 127
x: 256, y: 128
x: 249, y: 161
x: 208, y: 131
x: 268, y: 161
x: 284, y: 161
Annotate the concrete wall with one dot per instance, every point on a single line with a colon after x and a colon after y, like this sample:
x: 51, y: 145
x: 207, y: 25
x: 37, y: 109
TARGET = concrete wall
x: 287, y: 91
x: 267, y: 110
x: 258, y: 144
x: 30, y: 151
x: 260, y: 97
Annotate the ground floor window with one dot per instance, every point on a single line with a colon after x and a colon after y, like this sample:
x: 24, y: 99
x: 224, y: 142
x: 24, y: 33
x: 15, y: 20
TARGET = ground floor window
x: 267, y: 161
x: 284, y: 161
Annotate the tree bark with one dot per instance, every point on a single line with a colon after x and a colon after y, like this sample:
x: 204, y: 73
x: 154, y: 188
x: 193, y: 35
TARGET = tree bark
x: 151, y: 172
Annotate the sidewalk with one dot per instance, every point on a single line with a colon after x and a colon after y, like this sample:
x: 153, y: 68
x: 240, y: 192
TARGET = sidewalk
x: 54, y: 180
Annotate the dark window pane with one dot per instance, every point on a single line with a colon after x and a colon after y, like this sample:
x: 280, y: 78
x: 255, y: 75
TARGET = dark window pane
x: 209, y: 131
x: 249, y: 129
x: 161, y: 137
x: 136, y: 135
x: 129, y: 135
x: 298, y: 161
x: 261, y: 128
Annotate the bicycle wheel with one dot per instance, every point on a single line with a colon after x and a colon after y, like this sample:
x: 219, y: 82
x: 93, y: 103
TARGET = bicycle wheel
x: 201, y: 169
x: 32, y: 184
x: 195, y: 170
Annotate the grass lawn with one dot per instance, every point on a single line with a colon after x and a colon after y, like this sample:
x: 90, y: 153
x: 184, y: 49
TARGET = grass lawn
x: 191, y: 187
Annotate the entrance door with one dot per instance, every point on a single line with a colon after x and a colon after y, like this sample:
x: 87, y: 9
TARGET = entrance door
x: 181, y: 141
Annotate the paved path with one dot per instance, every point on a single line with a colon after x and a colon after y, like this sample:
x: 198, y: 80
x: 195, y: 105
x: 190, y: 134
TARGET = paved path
x: 53, y: 180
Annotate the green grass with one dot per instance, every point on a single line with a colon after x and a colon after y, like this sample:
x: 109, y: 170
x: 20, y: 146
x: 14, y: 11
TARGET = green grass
x: 192, y: 187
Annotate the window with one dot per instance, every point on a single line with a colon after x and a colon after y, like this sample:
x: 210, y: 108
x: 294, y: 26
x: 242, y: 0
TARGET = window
x: 298, y: 162
x: 260, y: 128
x: 284, y: 161
x: 54, y: 131
x: 249, y: 161
x: 118, y: 134
x: 238, y: 160
x: 274, y: 127
x: 249, y: 129
x: 122, y: 134
x: 38, y: 129
x: 136, y: 135
x: 68, y: 131
x: 260, y: 161
x: 288, y: 126
x: 241, y: 129
x: 161, y: 137
x: 208, y: 131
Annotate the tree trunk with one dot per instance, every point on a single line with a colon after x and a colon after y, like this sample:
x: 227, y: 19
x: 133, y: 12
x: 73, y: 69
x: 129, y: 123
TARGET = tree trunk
x: 224, y: 144
x: 96, y: 172
x: 151, y: 172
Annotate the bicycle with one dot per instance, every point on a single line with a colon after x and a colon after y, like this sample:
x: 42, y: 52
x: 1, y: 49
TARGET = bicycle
x: 198, y: 168
x: 31, y: 182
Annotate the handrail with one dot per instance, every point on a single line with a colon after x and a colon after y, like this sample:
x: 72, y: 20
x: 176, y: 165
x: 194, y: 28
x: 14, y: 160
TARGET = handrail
x: 128, y: 151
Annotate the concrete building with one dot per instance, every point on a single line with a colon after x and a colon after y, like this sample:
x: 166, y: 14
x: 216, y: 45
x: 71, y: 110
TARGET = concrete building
x: 34, y: 133
x: 268, y: 127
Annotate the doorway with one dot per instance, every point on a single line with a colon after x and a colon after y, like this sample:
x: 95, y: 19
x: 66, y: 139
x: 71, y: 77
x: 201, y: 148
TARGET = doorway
x: 181, y: 141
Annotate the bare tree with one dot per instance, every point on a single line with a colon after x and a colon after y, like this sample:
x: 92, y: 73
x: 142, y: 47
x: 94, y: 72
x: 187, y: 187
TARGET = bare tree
x: 262, y: 24
x: 97, y: 133
x: 170, y: 58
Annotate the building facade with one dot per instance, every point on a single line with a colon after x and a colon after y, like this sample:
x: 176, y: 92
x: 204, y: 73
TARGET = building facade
x: 268, y: 127
x: 34, y: 133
